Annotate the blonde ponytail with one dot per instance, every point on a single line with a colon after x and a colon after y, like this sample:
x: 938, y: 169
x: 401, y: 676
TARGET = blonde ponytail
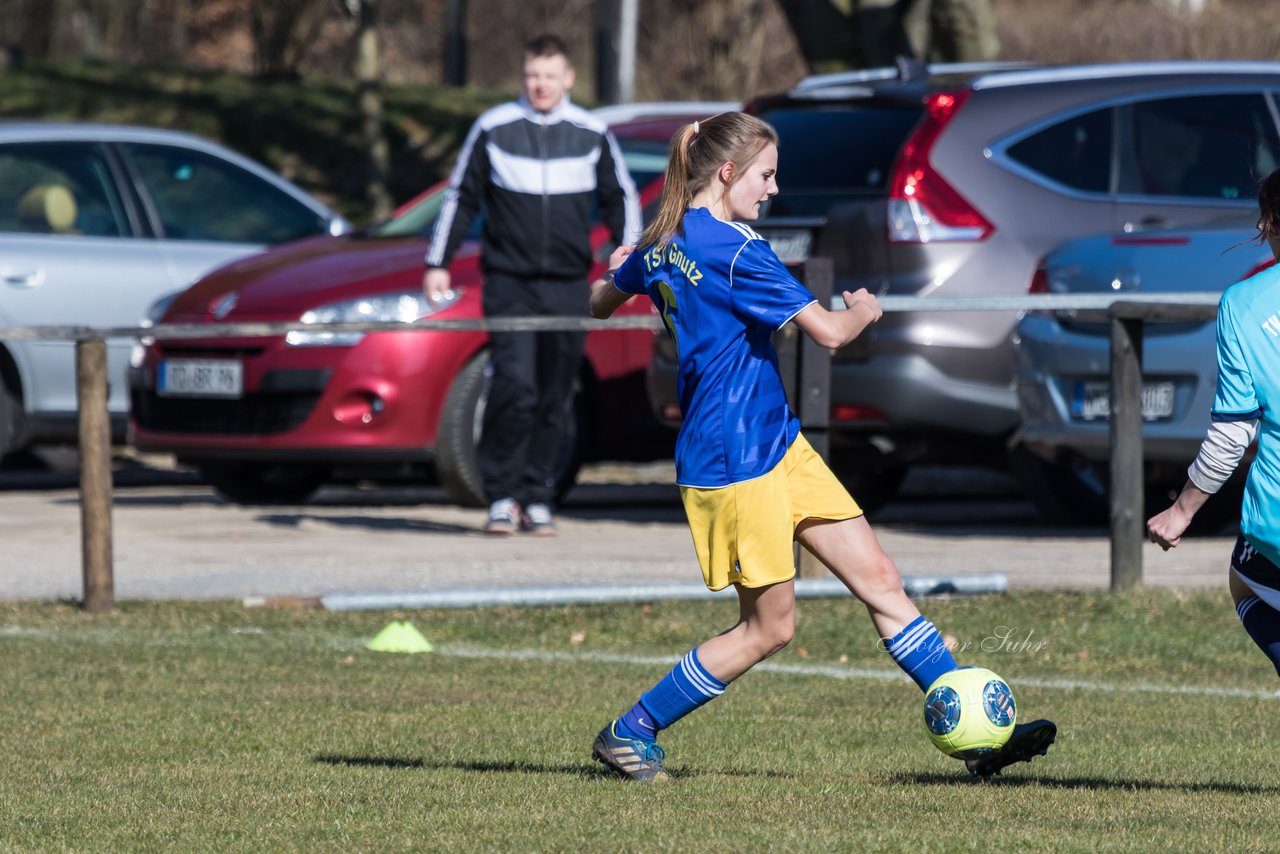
x: 694, y: 157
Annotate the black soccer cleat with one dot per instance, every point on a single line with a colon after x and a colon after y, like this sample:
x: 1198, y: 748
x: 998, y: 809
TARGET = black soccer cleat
x: 1028, y: 741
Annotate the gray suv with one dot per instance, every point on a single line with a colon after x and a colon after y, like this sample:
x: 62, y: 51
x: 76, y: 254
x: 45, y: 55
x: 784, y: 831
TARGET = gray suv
x: 954, y: 181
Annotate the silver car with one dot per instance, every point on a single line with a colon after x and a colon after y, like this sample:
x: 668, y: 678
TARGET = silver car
x: 97, y: 223
x: 954, y: 181
x: 1063, y: 366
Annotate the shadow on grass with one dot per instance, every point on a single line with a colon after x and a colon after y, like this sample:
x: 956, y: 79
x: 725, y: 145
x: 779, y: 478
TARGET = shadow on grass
x: 1088, y: 783
x: 592, y: 771
x: 369, y: 761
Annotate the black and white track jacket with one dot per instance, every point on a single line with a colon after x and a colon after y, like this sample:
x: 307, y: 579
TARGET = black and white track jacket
x: 536, y: 175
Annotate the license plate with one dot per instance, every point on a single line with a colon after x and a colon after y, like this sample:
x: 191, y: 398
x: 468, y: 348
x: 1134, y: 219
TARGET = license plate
x: 200, y: 378
x: 792, y: 246
x: 1093, y: 401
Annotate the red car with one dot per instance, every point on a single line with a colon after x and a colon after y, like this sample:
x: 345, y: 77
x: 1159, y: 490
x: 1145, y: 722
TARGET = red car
x: 272, y: 419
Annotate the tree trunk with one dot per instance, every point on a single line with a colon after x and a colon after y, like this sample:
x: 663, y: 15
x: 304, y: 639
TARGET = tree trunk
x: 179, y: 38
x: 283, y: 33
x: 368, y: 73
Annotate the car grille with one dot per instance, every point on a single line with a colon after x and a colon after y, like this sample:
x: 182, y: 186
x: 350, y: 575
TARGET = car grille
x: 182, y: 350
x: 251, y: 415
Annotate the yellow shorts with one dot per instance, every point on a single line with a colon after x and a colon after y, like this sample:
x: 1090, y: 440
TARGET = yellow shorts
x: 743, y: 533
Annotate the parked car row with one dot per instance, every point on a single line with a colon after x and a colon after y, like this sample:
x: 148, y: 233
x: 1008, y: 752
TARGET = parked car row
x: 955, y: 181
x: 946, y: 180
x: 273, y: 419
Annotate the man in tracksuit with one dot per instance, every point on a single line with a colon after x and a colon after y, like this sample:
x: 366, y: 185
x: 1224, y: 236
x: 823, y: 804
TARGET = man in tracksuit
x: 535, y: 166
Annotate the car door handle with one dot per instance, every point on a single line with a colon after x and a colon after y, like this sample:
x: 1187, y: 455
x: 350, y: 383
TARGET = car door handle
x: 23, y: 278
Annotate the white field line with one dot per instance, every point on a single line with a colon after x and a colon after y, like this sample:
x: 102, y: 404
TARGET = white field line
x: 349, y: 644
x: 837, y: 672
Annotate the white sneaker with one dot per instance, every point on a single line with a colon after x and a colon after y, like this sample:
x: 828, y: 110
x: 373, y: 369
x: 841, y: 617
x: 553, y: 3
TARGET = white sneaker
x: 504, y: 517
x: 537, y: 521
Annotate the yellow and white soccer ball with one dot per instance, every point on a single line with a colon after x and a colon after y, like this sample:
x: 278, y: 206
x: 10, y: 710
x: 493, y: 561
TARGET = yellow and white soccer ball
x: 968, y: 712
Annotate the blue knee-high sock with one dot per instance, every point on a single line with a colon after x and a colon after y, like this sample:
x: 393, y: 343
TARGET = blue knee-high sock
x: 684, y: 689
x: 1262, y: 622
x: 920, y: 651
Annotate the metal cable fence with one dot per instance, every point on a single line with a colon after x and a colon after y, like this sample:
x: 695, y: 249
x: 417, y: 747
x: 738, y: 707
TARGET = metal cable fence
x: 810, y: 364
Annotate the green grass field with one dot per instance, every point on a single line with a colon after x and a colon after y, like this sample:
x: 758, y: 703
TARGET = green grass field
x: 211, y: 727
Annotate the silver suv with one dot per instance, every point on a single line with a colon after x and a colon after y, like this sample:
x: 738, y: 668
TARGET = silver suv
x: 954, y: 181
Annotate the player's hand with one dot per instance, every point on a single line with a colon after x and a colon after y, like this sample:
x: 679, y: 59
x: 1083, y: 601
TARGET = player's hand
x: 1165, y: 529
x: 437, y: 284
x: 865, y: 299
x: 619, y: 255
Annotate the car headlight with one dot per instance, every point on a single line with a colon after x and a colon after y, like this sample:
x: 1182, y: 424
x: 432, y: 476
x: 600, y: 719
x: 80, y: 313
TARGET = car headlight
x: 150, y: 319
x: 403, y: 307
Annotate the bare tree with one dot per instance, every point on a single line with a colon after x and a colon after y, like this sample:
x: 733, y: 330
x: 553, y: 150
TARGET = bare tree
x: 284, y: 31
x: 836, y: 34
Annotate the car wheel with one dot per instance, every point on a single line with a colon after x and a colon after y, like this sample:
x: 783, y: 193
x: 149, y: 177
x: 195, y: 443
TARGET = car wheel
x: 255, y: 484
x: 1077, y: 491
x: 10, y: 419
x: 458, y: 436
x: 871, y: 481
x: 1071, y: 491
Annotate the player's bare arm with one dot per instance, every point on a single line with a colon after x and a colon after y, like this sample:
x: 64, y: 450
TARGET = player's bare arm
x: 605, y: 299
x: 835, y: 329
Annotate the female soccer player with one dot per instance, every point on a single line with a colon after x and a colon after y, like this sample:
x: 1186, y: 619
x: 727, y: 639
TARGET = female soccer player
x: 750, y: 483
x: 1247, y: 397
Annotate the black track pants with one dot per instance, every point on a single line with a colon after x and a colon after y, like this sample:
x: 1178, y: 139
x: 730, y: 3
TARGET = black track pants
x: 530, y: 393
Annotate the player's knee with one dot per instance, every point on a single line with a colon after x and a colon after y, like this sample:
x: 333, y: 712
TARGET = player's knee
x: 775, y: 637
x: 879, y: 578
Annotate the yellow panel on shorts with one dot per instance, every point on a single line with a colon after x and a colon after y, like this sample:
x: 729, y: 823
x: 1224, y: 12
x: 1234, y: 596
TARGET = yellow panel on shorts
x: 743, y: 533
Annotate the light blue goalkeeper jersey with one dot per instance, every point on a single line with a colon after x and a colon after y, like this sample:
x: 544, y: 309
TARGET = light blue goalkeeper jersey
x: 1248, y: 385
x: 722, y: 294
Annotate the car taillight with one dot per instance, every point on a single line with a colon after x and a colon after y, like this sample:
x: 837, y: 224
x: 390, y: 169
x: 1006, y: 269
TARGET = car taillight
x: 1039, y: 280
x: 923, y: 207
x: 845, y: 413
x: 1258, y: 269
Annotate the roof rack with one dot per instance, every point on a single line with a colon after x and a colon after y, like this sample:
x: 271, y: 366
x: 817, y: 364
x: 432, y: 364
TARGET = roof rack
x: 1123, y: 69
x: 895, y: 72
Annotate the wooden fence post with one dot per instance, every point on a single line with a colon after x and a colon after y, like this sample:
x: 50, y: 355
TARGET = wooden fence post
x: 1126, y: 471
x: 95, y: 475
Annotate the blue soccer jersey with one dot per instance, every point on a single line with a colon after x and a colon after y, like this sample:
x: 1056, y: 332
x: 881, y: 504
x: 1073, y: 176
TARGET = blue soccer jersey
x: 1249, y: 348
x: 722, y: 293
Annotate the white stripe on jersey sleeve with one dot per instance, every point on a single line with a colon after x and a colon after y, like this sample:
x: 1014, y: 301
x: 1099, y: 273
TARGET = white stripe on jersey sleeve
x: 444, y: 222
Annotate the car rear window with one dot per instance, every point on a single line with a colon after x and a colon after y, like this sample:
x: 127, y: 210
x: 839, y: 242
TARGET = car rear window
x: 1076, y: 153
x: 836, y: 151
x: 1202, y: 146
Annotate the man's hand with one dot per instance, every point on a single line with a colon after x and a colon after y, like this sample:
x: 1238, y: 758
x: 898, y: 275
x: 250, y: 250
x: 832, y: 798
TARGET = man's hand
x: 865, y: 299
x: 436, y: 284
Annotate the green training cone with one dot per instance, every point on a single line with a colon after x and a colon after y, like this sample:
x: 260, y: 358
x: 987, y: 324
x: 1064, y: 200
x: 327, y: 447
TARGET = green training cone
x: 400, y: 636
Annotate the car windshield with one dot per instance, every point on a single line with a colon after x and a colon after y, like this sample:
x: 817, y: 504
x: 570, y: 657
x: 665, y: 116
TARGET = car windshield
x: 830, y: 153
x: 646, y: 160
